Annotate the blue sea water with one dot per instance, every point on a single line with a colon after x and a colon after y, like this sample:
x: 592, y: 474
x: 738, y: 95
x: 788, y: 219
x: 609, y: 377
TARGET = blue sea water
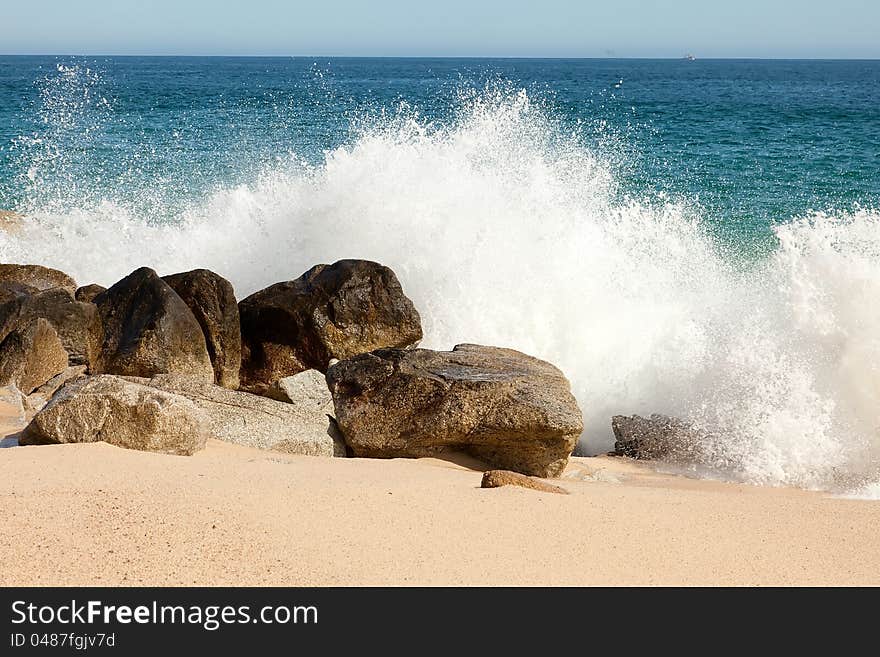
x: 699, y: 238
x: 754, y: 142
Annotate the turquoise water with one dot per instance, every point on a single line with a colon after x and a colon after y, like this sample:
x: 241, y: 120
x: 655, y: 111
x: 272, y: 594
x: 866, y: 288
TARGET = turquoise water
x: 697, y: 238
x: 753, y: 142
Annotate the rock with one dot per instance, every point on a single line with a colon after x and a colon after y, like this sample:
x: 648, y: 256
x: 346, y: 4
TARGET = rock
x: 76, y: 323
x: 307, y: 389
x: 11, y: 290
x: 656, y: 437
x: 87, y: 293
x: 41, y: 278
x: 212, y: 301
x: 120, y: 412
x: 149, y: 330
x: 38, y: 399
x: 254, y: 421
x: 499, y: 478
x: 331, y: 311
x: 510, y: 410
x: 30, y: 356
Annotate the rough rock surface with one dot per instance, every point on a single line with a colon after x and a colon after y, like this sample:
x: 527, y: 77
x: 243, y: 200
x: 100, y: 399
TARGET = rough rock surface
x: 331, y: 311
x: 78, y: 324
x: 656, y: 437
x: 38, y: 399
x: 11, y: 290
x: 307, y: 388
x: 498, y: 478
x: 149, y: 330
x: 37, y: 276
x: 510, y: 410
x: 246, y: 419
x: 30, y: 356
x: 87, y: 293
x: 211, y: 299
x: 119, y: 412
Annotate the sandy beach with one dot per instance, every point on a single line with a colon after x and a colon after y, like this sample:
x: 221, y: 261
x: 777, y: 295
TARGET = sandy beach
x: 100, y: 515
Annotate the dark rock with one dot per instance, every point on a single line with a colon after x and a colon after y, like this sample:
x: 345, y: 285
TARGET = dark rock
x: 149, y: 330
x: 510, y: 410
x: 87, y: 293
x: 11, y: 290
x: 331, y: 311
x: 77, y: 324
x: 212, y: 301
x: 36, y: 276
x: 30, y: 356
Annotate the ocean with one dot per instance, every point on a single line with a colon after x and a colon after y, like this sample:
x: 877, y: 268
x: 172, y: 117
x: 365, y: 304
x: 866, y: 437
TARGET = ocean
x: 696, y: 238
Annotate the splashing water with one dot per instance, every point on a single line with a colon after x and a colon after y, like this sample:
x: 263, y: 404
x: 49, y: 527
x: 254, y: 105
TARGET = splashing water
x: 505, y: 229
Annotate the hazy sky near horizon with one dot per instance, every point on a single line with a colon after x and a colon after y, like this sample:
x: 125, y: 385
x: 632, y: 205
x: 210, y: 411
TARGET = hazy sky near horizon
x: 501, y: 28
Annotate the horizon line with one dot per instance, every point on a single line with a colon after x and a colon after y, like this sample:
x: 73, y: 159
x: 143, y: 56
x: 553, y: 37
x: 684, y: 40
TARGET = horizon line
x: 685, y: 57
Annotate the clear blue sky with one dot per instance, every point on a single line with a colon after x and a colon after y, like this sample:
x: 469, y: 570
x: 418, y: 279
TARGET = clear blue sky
x: 549, y: 28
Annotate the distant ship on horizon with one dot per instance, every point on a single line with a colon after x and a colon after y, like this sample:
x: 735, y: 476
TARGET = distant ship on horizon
x: 689, y: 57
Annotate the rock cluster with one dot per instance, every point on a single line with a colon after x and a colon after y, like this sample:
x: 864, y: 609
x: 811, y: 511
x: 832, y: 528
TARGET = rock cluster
x: 164, y: 363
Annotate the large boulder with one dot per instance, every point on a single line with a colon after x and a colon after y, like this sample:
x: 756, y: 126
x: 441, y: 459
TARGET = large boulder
x: 658, y: 437
x: 149, y: 330
x: 211, y: 299
x: 88, y: 292
x: 120, y: 412
x: 331, y: 311
x: 37, y: 276
x: 510, y: 410
x: 254, y: 421
x: 78, y: 324
x: 30, y: 356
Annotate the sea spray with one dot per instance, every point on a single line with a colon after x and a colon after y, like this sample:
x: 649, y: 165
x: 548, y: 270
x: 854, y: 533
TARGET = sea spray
x: 507, y: 229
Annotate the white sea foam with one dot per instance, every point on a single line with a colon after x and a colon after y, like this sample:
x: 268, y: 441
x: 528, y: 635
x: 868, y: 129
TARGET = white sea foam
x: 506, y: 230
